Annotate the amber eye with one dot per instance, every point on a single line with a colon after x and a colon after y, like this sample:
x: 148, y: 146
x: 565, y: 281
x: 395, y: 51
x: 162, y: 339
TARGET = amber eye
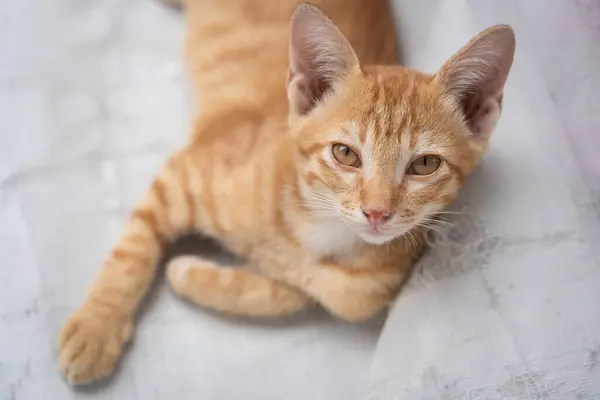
x: 425, y: 165
x: 345, y: 155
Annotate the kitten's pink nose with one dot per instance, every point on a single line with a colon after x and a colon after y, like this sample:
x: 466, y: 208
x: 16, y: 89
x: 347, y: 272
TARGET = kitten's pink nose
x: 377, y: 216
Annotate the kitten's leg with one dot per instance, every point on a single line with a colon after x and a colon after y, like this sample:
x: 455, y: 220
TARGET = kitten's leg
x: 354, y: 295
x: 91, y: 341
x: 231, y: 290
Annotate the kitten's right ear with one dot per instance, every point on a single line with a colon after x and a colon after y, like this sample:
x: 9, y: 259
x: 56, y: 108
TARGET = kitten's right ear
x: 475, y: 76
x: 320, y: 56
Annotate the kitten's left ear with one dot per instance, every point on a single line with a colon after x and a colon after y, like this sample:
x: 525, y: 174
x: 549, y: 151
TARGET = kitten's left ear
x: 475, y: 77
x: 320, y: 56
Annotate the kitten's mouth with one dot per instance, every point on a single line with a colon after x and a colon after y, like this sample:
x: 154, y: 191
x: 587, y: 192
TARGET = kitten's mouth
x: 375, y: 234
x: 380, y: 234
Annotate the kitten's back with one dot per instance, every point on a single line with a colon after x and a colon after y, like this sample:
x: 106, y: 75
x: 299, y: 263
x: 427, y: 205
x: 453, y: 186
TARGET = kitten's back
x: 237, y: 51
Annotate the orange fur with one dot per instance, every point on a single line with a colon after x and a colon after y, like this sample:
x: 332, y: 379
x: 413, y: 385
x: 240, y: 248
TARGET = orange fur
x: 259, y: 174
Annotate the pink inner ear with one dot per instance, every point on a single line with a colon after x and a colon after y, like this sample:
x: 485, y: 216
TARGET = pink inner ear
x: 300, y: 94
x: 483, y: 114
x: 319, y: 55
x: 475, y: 77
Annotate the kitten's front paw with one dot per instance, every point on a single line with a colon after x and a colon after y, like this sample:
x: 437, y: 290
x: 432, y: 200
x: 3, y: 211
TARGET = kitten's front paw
x: 90, y: 345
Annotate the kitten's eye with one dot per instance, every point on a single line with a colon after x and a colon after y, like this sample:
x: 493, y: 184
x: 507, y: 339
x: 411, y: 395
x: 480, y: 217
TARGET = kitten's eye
x: 345, y: 155
x: 425, y: 165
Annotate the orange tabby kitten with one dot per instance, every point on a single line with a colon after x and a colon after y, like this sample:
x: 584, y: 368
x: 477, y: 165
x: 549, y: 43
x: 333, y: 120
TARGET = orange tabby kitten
x: 324, y: 191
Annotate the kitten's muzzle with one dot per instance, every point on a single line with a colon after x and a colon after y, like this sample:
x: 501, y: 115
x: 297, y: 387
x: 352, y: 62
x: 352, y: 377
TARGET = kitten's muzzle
x: 377, y: 217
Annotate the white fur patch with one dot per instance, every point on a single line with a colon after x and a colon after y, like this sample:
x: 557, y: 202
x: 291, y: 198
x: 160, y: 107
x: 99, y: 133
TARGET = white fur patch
x: 351, y: 139
x: 400, y: 171
x: 329, y: 237
x: 354, y: 134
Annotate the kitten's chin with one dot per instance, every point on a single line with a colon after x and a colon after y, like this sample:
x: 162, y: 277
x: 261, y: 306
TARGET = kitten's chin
x: 376, y: 239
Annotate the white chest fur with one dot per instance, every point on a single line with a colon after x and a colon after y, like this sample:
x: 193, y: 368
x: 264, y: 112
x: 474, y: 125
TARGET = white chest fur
x: 329, y: 237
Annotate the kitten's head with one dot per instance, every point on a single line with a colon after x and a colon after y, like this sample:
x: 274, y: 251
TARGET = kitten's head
x: 386, y: 148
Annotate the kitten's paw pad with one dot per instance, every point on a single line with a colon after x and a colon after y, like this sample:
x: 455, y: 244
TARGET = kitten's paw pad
x: 90, y: 346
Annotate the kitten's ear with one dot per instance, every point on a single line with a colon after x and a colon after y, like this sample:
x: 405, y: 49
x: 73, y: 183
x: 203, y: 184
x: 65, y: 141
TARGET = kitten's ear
x: 475, y: 77
x: 320, y: 56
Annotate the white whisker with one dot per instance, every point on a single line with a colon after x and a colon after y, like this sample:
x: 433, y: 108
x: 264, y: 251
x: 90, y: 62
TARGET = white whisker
x: 448, y: 212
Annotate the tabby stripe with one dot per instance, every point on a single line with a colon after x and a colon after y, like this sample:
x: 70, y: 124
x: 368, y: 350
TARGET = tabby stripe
x: 109, y: 299
x: 376, y: 119
x: 414, y: 137
x: 229, y: 55
x: 124, y: 255
x: 282, y: 227
x: 135, y: 239
x: 361, y: 271
x: 149, y: 218
x: 337, y: 182
x: 312, y: 177
x: 189, y: 199
x: 159, y: 191
x: 209, y: 204
x: 308, y: 151
x: 296, y: 196
x: 215, y: 29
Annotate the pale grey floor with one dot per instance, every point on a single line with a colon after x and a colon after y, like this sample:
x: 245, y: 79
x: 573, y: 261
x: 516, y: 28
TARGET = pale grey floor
x: 506, y: 306
x: 93, y: 97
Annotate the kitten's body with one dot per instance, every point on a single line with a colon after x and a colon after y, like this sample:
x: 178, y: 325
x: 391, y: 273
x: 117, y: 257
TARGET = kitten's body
x: 237, y: 53
x: 259, y: 176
